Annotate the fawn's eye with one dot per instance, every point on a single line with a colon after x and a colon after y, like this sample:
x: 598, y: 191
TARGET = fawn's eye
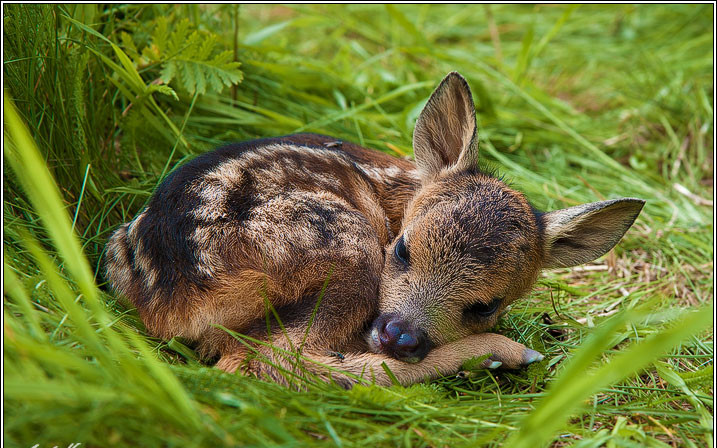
x: 401, y: 251
x: 480, y: 309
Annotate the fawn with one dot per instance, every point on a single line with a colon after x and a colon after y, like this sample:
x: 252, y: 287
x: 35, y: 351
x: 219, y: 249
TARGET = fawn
x: 412, y: 262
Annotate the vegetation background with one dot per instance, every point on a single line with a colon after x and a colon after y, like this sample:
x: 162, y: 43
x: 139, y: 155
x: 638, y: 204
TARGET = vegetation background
x: 575, y: 104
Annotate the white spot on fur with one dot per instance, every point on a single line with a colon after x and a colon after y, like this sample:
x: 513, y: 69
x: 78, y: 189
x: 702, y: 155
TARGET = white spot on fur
x: 329, y: 180
x: 202, y: 236
x: 150, y: 278
x: 205, y: 270
x: 118, y: 268
x: 144, y: 264
x: 413, y: 174
x: 213, y: 194
x: 208, y: 213
x: 132, y: 229
x: 208, y: 263
x: 381, y: 174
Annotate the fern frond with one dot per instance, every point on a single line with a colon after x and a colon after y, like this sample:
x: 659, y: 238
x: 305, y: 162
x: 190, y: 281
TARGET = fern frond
x: 160, y: 34
x: 190, y: 58
x: 201, y: 76
x: 182, y: 39
x: 129, y: 47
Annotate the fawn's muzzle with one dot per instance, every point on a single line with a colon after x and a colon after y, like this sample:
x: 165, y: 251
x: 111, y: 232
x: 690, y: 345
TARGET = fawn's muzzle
x: 399, y: 338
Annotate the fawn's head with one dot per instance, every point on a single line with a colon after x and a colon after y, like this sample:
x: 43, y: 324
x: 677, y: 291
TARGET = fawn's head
x: 470, y: 245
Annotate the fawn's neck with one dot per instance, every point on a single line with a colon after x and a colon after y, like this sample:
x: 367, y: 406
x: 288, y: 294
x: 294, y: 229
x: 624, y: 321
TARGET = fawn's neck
x: 395, y: 185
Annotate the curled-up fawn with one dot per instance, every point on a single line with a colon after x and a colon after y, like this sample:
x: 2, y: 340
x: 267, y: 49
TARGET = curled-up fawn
x: 412, y: 262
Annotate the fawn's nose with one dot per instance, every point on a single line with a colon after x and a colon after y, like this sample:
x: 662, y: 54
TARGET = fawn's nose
x: 400, y: 339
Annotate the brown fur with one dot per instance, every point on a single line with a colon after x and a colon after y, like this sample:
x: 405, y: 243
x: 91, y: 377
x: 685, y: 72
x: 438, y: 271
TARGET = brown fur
x: 287, y: 222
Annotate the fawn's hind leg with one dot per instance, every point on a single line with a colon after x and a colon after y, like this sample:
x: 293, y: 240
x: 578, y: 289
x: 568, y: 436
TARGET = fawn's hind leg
x: 347, y: 305
x: 305, y: 241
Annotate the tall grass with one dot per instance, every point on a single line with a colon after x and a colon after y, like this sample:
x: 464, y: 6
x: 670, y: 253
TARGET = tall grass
x: 575, y: 104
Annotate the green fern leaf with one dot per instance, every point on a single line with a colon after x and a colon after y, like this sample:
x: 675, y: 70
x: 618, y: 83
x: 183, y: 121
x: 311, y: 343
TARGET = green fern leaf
x: 160, y: 34
x: 129, y: 47
x: 169, y: 71
x: 151, y: 53
x: 198, y: 78
x: 206, y: 48
x: 181, y: 40
x: 164, y: 90
x: 195, y: 76
x: 191, y: 58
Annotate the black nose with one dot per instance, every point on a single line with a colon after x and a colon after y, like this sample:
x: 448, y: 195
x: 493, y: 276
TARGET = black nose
x: 400, y: 339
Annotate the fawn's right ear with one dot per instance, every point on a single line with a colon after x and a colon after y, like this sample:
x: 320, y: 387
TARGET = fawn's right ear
x: 583, y: 233
x: 445, y: 134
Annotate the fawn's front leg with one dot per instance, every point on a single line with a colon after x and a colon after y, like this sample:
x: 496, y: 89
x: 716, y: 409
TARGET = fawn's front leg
x: 444, y: 360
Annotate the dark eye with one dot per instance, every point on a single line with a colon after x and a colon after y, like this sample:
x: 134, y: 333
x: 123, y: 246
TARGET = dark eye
x: 480, y: 309
x: 401, y: 251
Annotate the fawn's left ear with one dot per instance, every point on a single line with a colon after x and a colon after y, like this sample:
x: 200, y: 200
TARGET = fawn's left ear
x: 445, y: 134
x: 583, y: 233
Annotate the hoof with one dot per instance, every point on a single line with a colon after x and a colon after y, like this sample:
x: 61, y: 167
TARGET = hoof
x: 494, y: 365
x: 530, y: 356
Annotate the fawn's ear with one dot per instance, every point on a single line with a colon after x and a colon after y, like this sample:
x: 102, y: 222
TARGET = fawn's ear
x: 445, y: 134
x: 582, y: 233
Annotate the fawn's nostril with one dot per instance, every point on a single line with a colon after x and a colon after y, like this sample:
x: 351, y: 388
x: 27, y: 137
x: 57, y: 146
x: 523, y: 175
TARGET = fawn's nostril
x: 392, y: 331
x: 398, y: 334
x: 400, y: 338
x: 407, y: 341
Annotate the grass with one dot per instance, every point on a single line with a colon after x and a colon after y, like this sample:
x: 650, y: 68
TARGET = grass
x: 575, y: 104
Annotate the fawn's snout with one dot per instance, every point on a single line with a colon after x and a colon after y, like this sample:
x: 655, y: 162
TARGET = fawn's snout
x: 399, y: 338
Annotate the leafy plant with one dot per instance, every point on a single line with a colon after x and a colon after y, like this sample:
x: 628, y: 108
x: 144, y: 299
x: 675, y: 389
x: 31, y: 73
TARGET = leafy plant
x: 193, y: 59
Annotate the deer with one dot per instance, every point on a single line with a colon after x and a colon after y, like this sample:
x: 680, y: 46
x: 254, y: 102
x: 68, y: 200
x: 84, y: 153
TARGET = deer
x: 351, y: 263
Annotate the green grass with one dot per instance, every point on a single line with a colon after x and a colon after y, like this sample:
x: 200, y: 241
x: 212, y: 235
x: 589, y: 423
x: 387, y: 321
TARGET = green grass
x: 575, y: 104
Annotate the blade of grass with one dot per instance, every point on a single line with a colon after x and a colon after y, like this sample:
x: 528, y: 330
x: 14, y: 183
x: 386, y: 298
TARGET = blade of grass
x: 706, y: 418
x: 13, y: 288
x: 576, y: 383
x: 79, y: 201
x: 25, y: 160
